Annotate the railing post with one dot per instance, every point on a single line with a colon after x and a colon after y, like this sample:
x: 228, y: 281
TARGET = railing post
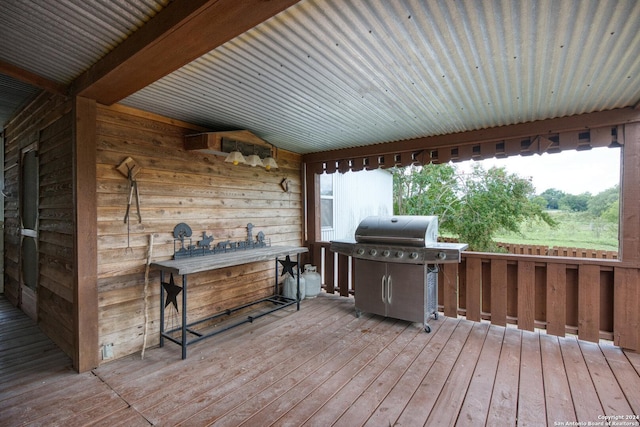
x: 343, y: 275
x: 329, y: 271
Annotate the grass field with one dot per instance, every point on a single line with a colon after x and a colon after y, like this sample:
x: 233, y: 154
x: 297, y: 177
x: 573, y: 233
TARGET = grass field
x: 574, y: 230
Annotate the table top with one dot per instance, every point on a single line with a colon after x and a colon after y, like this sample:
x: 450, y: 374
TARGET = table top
x: 228, y: 259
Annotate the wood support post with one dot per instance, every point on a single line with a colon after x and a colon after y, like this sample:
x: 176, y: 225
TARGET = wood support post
x: 85, y: 297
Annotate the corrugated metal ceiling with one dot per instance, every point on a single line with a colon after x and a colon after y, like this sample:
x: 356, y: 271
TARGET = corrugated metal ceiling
x: 60, y: 39
x: 334, y: 74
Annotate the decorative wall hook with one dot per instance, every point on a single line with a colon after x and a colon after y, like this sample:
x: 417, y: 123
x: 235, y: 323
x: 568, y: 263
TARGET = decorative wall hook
x: 285, y: 184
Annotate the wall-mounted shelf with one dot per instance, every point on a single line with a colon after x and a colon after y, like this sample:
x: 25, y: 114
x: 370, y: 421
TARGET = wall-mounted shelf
x: 221, y: 143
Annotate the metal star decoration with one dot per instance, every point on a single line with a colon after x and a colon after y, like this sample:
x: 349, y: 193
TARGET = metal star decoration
x: 287, y: 266
x: 172, y: 293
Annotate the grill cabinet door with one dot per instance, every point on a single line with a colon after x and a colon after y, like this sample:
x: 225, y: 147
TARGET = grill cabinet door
x: 406, y: 288
x: 370, y: 277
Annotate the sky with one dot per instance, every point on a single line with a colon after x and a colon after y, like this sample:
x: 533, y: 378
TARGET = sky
x: 574, y: 172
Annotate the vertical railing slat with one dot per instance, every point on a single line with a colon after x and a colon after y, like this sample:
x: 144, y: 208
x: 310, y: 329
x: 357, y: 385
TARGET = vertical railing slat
x: 343, y: 275
x: 474, y: 288
x: 329, y: 271
x: 450, y: 289
x: 499, y: 292
x: 526, y: 295
x: 589, y: 302
x: 626, y: 315
x: 556, y: 299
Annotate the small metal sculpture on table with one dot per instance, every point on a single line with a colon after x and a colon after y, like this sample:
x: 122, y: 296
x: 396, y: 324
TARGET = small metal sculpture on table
x: 183, y: 246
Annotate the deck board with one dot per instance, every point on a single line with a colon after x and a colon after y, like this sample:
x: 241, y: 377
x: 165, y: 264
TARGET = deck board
x: 322, y: 366
x: 531, y: 404
x: 475, y: 408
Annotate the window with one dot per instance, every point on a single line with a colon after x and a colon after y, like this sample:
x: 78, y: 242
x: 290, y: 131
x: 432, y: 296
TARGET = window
x: 326, y: 201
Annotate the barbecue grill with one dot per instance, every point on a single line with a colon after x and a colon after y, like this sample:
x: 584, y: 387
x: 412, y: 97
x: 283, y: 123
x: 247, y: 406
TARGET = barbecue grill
x: 396, y: 266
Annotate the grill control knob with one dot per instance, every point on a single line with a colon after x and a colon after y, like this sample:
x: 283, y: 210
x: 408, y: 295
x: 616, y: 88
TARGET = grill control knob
x: 385, y: 253
x: 441, y: 255
x: 360, y: 251
x: 413, y: 255
x: 372, y: 252
x: 399, y: 254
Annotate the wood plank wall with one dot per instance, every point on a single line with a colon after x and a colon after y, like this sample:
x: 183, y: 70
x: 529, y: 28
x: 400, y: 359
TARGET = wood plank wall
x: 46, y: 121
x: 178, y: 186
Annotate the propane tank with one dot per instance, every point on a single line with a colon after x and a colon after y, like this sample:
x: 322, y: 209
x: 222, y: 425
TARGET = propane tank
x: 290, y: 284
x: 313, y: 281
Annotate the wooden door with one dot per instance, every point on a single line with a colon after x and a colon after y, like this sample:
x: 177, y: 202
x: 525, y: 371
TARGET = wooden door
x: 29, y: 231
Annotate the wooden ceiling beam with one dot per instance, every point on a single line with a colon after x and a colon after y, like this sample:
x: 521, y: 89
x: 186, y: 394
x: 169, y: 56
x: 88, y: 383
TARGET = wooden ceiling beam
x: 32, y: 79
x: 177, y: 35
x: 511, y: 132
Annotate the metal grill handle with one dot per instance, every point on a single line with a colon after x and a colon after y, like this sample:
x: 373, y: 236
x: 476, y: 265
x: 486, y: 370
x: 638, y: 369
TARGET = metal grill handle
x: 389, y: 287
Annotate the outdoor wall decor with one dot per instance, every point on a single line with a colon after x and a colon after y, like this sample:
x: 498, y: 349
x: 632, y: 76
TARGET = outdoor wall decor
x: 130, y: 169
x: 183, y: 246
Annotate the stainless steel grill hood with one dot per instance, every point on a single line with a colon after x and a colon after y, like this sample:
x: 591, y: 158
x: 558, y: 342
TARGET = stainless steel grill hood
x: 416, y: 231
x: 400, y: 239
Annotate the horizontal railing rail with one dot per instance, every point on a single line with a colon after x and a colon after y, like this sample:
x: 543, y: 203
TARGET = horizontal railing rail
x: 565, y: 251
x: 593, y: 298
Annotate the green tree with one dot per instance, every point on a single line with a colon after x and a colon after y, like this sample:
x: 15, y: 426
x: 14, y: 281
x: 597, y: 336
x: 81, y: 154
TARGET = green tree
x: 473, y: 206
x: 553, y: 197
x: 602, y: 201
x: 612, y: 214
x: 576, y: 203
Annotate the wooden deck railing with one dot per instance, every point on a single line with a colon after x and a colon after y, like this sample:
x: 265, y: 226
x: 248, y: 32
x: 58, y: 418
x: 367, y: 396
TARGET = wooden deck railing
x: 593, y: 298
x: 519, y: 249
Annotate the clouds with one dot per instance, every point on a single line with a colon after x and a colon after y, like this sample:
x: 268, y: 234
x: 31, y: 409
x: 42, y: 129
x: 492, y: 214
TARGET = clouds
x: 574, y: 172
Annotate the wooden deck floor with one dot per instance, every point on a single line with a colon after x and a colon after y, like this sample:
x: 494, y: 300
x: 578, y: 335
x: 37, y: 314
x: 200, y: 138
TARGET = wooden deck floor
x: 320, y: 367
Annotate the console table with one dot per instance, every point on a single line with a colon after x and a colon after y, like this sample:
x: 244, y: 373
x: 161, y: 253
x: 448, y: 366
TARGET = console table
x: 186, y: 266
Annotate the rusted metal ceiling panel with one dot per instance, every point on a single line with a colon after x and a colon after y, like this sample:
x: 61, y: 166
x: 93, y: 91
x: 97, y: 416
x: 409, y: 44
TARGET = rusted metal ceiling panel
x: 332, y: 74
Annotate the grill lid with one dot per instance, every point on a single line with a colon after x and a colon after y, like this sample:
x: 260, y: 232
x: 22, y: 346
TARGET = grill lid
x: 409, y: 230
